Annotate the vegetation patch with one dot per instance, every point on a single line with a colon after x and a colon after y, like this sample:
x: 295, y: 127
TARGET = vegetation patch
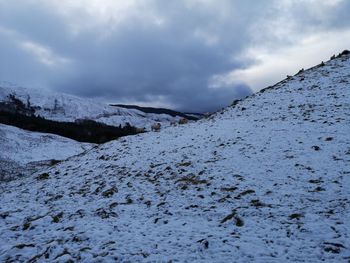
x: 110, y: 192
x: 246, y: 192
x: 233, y: 216
x: 184, y: 164
x: 57, y: 218
x: 228, y: 189
x: 43, y: 176
x: 318, y: 189
x: 21, y: 246
x: 295, y: 216
x: 82, y: 131
x: 191, y: 180
x: 257, y: 203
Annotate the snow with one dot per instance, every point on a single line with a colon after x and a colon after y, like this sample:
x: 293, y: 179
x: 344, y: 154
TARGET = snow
x: 20, y: 148
x: 23, y: 146
x: 266, y: 180
x: 64, y: 107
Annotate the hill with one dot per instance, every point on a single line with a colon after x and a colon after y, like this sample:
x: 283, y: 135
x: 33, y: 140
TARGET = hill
x: 265, y: 180
x: 23, y: 152
x: 67, y: 108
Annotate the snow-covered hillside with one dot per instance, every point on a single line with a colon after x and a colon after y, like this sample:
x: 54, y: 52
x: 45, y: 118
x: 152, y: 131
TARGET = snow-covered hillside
x: 266, y: 180
x: 64, y: 107
x: 21, y: 148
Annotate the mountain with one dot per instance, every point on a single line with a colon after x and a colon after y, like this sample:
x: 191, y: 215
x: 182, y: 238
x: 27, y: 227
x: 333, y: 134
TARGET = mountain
x: 189, y: 116
x: 264, y: 180
x: 67, y: 108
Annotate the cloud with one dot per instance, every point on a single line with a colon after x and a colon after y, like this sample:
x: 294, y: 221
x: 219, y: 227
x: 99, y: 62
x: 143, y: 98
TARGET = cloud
x: 192, y: 55
x: 272, y: 66
x: 44, y: 54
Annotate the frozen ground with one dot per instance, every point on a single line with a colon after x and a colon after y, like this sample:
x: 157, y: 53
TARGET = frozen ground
x: 266, y: 180
x: 24, y: 146
x: 21, y: 151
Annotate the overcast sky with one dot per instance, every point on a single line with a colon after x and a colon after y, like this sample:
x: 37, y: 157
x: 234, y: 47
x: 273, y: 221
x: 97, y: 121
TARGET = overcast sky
x: 191, y: 55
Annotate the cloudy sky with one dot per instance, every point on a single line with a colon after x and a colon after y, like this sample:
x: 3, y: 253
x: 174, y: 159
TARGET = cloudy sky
x: 191, y: 55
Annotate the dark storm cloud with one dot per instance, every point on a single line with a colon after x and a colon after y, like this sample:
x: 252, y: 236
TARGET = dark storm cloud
x: 163, y: 52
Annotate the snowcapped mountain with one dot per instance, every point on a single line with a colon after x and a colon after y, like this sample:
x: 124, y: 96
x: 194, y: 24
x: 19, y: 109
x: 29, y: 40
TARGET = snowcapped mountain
x: 68, y: 108
x: 265, y: 180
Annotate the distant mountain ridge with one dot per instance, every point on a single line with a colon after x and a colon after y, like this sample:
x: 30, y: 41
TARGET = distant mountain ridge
x: 68, y: 108
x: 173, y: 113
x: 80, y: 119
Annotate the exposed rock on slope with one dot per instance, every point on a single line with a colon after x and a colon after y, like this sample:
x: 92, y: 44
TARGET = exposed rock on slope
x: 265, y: 180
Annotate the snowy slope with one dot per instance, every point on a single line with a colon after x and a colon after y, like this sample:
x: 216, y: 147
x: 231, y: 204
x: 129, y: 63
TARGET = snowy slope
x: 19, y: 148
x: 24, y: 147
x: 64, y: 107
x: 264, y: 181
